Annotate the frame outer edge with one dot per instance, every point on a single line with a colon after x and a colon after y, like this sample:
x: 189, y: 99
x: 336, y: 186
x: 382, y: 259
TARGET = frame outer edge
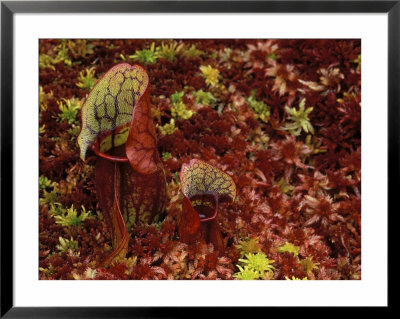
x: 208, y: 6
x: 6, y: 190
x: 393, y: 118
x: 6, y: 160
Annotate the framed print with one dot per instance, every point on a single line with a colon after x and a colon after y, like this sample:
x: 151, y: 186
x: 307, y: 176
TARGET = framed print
x: 167, y: 154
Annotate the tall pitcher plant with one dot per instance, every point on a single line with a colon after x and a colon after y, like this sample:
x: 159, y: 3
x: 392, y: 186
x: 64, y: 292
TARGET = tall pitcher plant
x: 117, y: 125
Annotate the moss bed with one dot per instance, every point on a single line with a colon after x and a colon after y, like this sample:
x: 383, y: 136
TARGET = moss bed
x: 282, y: 117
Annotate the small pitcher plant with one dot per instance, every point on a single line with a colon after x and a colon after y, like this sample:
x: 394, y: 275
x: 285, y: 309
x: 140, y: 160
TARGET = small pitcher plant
x: 203, y: 187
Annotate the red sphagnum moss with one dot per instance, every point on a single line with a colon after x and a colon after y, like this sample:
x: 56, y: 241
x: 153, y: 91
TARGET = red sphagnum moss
x: 282, y: 118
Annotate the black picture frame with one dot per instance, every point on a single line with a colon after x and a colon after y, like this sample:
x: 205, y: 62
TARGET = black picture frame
x: 9, y: 8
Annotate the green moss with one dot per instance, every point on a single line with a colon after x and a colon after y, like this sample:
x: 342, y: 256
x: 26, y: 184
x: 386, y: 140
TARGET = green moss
x: 273, y: 56
x: 169, y: 51
x: 166, y: 155
x: 145, y: 56
x: 70, y: 217
x: 191, y: 51
x: 69, y: 110
x: 74, y: 131
x: 63, y: 52
x: 177, y: 97
x: 308, y: 265
x: 56, y: 209
x: 315, y: 144
x: 51, y: 270
x: 80, y: 48
x: 67, y: 244
x: 290, y: 248
x: 246, y: 273
x: 358, y: 62
x: 168, y: 128
x: 48, y: 197
x: 43, y: 97
x: 260, y: 108
x: 259, y: 262
x: 205, y: 98
x: 284, y: 187
x: 179, y: 109
x: 299, y: 118
x: 42, y: 129
x: 249, y: 245
x: 210, y: 74
x: 86, y: 81
x: 45, y: 183
x: 255, y: 266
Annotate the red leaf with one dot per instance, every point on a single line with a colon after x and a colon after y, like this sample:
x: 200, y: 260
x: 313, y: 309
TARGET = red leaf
x: 189, y: 222
x: 141, y: 144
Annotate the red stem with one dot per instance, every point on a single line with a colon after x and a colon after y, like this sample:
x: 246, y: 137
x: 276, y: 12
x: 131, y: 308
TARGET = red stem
x: 111, y: 158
